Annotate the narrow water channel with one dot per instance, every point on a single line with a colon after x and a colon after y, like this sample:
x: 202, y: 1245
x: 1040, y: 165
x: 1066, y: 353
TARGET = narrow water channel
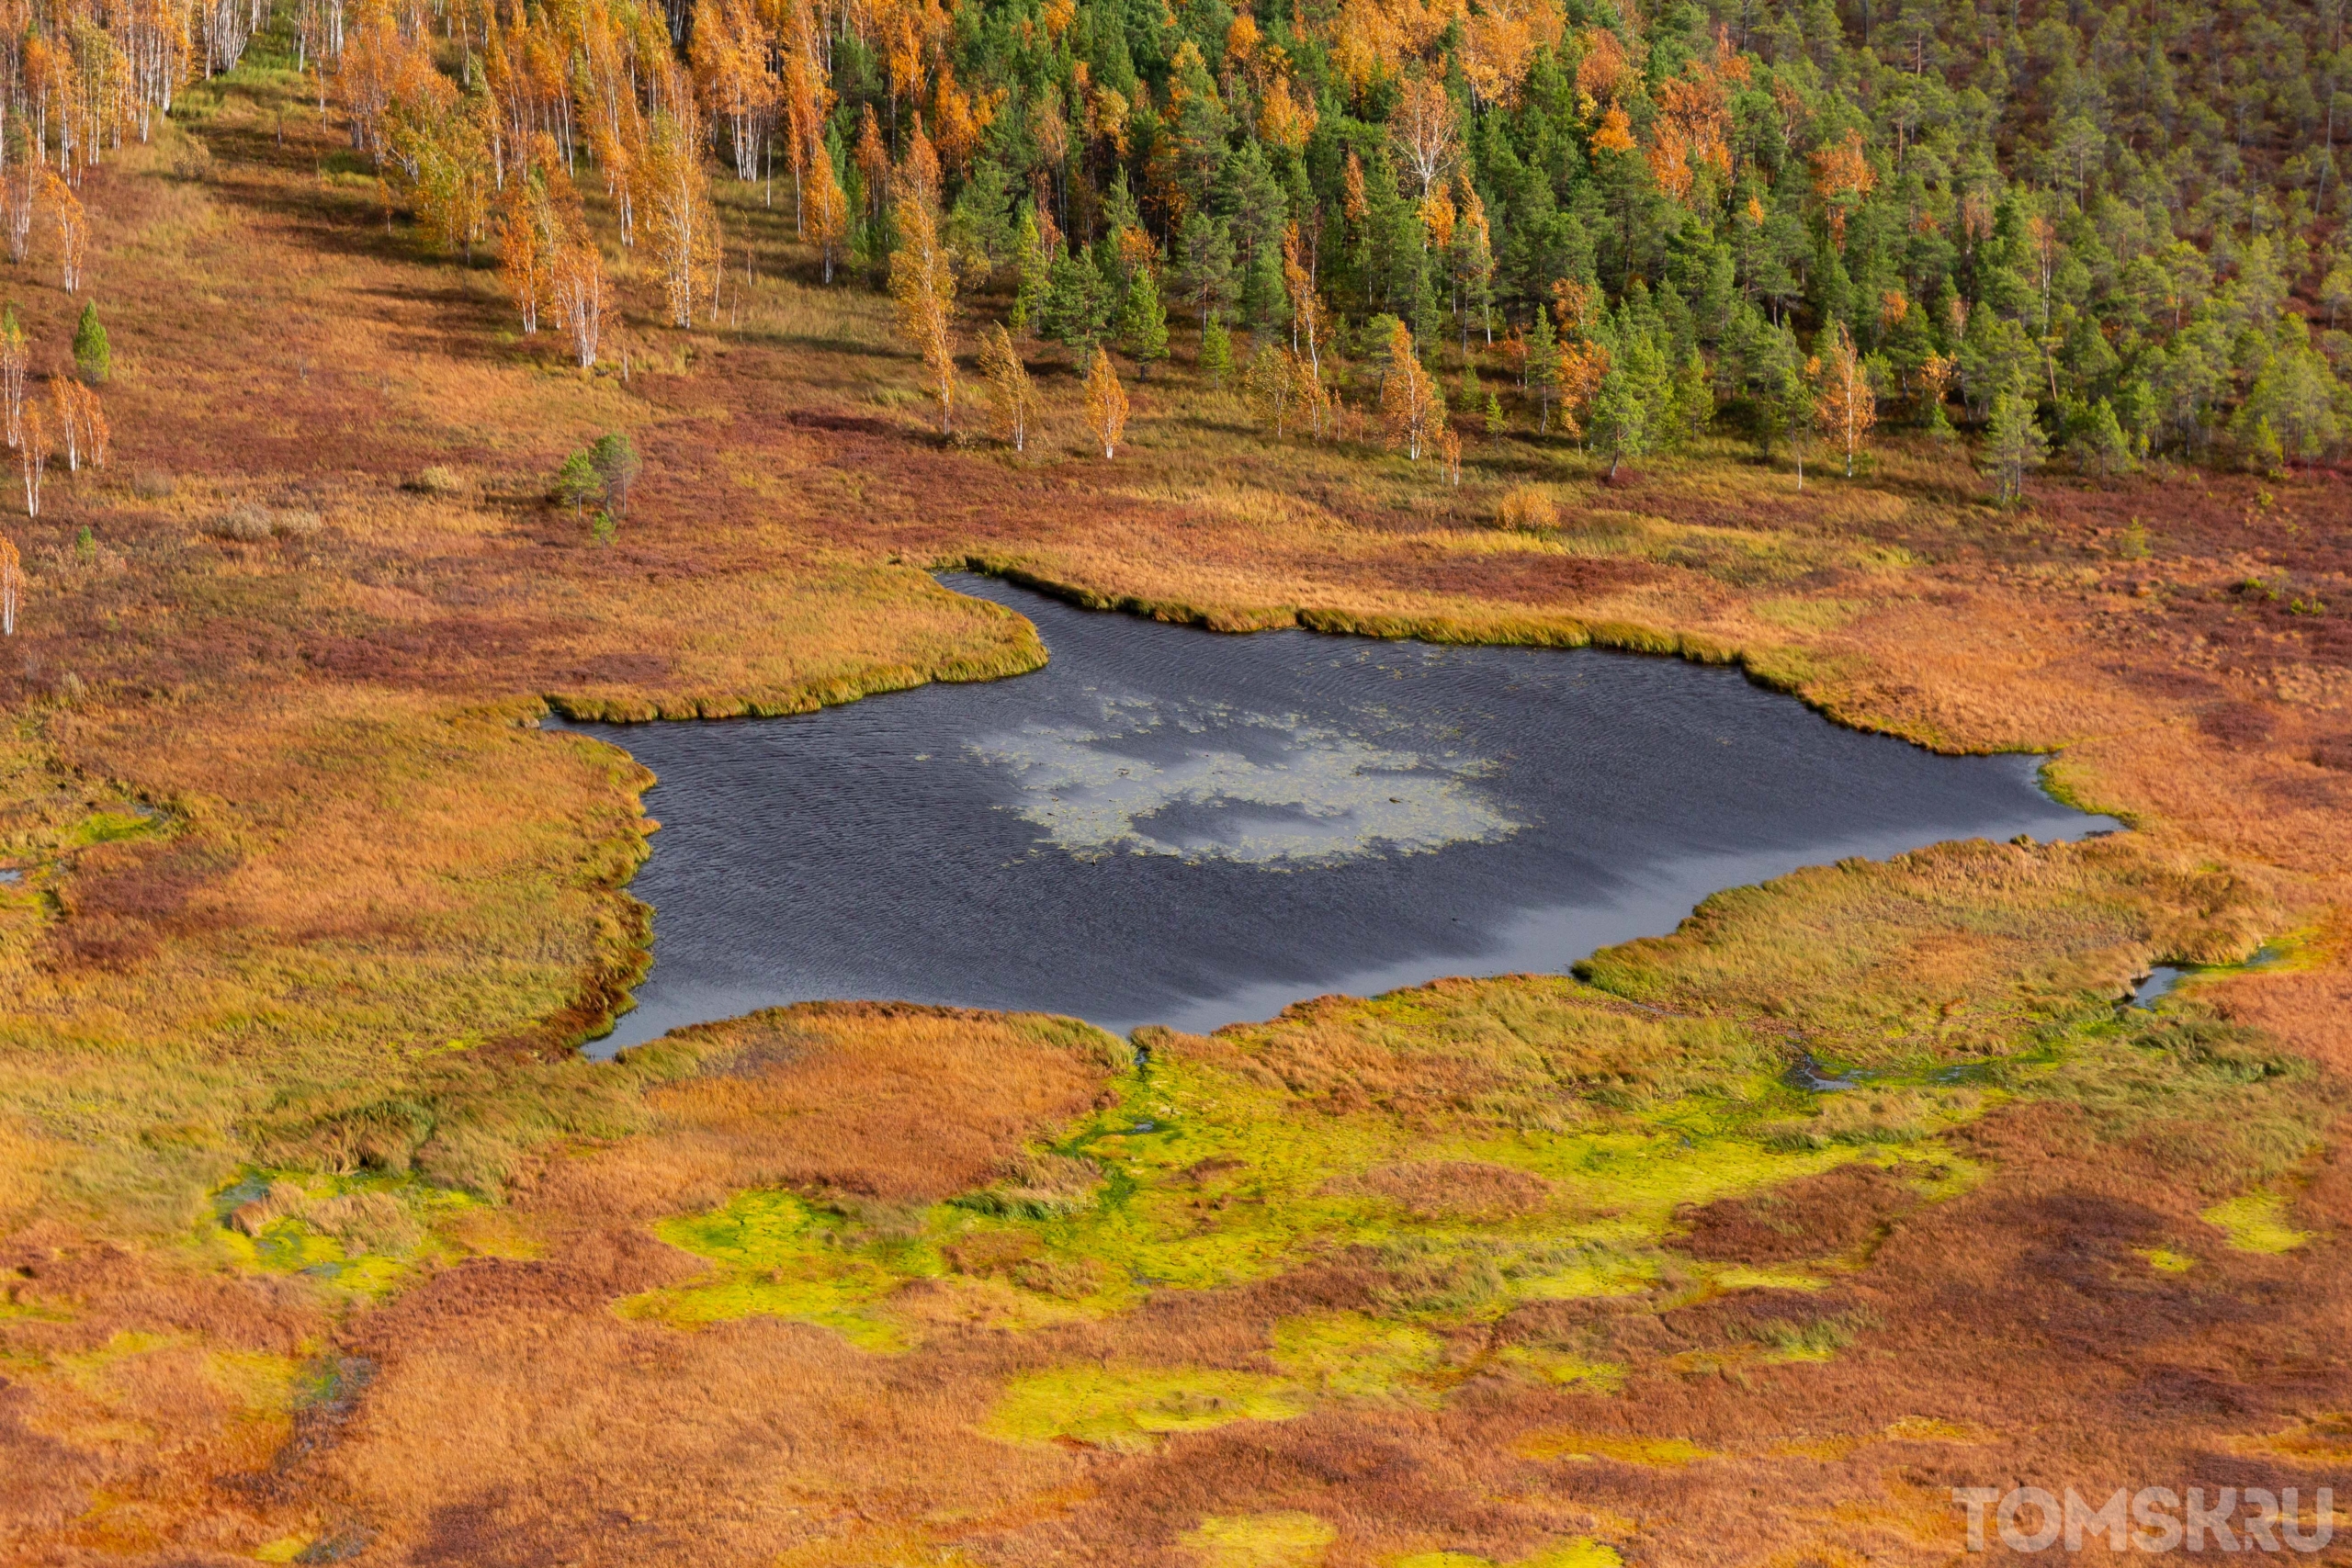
x: 1171, y: 825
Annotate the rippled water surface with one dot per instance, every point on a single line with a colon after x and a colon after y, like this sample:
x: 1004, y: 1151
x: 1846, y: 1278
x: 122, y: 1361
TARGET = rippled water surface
x: 1169, y: 826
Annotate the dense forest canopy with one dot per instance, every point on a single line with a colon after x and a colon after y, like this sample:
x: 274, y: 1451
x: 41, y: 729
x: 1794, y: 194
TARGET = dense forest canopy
x: 2111, y: 226
x: 2122, y: 213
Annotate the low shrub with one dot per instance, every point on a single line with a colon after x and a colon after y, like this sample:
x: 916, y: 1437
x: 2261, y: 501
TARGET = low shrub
x: 1527, y: 508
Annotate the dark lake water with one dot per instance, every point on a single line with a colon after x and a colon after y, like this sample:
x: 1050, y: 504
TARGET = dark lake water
x: 1171, y: 825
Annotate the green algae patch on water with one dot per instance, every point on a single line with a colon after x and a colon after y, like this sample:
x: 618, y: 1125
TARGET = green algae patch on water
x: 2256, y: 1222
x: 1131, y: 1408
x: 1259, y: 1540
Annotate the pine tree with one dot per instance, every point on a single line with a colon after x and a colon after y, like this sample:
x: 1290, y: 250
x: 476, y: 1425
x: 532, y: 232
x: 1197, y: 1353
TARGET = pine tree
x: 2100, y: 444
x: 1143, y: 321
x: 1627, y: 402
x: 1037, y: 276
x: 617, y: 466
x: 2013, y: 445
x: 1216, y: 352
x: 1543, y: 366
x: 92, y: 355
x: 1204, y: 264
x: 576, y: 483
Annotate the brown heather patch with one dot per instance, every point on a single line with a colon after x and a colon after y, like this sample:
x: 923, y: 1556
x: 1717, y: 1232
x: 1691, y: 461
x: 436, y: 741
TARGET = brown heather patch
x: 1819, y: 1216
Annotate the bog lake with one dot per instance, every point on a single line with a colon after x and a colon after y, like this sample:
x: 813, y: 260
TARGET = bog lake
x: 1167, y: 825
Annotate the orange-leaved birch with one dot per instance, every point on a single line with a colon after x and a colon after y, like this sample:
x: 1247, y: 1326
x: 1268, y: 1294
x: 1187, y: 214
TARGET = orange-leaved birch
x: 1312, y: 399
x: 827, y: 205
x: 1271, y: 383
x: 64, y: 394
x: 1409, y: 402
x: 97, y: 434
x: 1106, y: 403
x: 1013, y: 398
x: 1582, y: 366
x: 12, y: 583
x: 1309, y: 321
x: 1449, y: 453
x: 1423, y: 126
x: 20, y: 205
x: 922, y: 282
x: 919, y: 168
x: 577, y: 280
x: 72, y: 230
x: 684, y: 220
x: 15, y: 360
x: 1845, y: 408
x: 33, y: 455
x: 526, y: 244
x: 1842, y: 176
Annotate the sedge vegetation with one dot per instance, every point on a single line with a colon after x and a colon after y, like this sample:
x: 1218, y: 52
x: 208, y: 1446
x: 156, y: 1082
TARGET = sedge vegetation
x: 1511, y: 323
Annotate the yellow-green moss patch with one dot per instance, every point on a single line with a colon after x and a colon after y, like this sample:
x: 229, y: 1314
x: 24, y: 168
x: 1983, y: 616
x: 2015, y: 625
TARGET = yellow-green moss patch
x: 1259, y: 1540
x: 1666, y: 1454
x: 1131, y: 1408
x: 1349, y: 1356
x: 2256, y: 1222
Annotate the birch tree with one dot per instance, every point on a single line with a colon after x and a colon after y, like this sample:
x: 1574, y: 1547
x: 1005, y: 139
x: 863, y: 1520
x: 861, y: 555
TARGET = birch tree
x: 1013, y: 397
x: 1845, y: 408
x: 1106, y: 403
x: 1409, y: 402
x: 922, y: 282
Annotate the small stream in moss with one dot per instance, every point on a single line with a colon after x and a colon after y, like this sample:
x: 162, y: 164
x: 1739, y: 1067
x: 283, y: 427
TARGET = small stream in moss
x: 1172, y: 826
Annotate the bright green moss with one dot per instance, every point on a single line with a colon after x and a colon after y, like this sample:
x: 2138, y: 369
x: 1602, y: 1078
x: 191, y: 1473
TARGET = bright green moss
x: 2165, y: 1260
x: 1564, y: 1367
x: 1346, y: 1355
x: 2256, y: 1222
x: 780, y: 1256
x: 1738, y: 1278
x: 1131, y: 1408
x: 1260, y: 1540
x: 1214, y: 1175
x: 107, y: 826
x: 1666, y: 1454
x: 1581, y: 1552
x: 362, y: 1234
